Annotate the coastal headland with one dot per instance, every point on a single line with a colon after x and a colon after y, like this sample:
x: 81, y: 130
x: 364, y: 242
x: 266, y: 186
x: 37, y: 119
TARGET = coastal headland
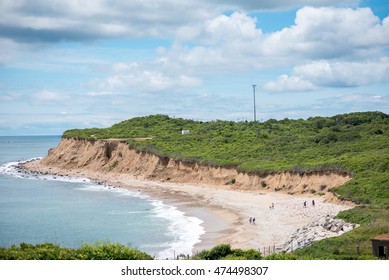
x: 288, y: 211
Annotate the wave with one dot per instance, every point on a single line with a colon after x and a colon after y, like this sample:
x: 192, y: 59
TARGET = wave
x: 185, y: 231
x: 14, y: 169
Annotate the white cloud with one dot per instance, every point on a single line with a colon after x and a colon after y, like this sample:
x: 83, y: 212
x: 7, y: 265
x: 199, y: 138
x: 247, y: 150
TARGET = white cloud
x: 324, y: 33
x: 354, y: 102
x: 325, y: 73
x: 282, y: 4
x: 235, y: 41
x: 12, y: 96
x: 102, y: 93
x: 285, y: 83
x: 9, y: 50
x: 334, y: 74
x: 237, y: 26
x: 138, y: 77
x: 203, y: 37
x: 49, y: 97
x: 224, y: 42
x: 344, y: 46
x: 75, y: 20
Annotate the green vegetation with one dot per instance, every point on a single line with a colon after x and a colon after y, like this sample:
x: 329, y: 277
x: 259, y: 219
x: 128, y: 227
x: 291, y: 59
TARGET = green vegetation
x: 114, y: 165
x: 355, y: 143
x: 225, y: 252
x: 49, y: 251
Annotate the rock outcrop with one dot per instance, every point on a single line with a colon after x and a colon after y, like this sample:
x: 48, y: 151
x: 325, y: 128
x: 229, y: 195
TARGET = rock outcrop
x: 323, y: 228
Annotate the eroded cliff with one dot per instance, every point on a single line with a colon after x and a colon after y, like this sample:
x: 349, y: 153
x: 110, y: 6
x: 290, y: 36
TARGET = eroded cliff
x: 115, y: 156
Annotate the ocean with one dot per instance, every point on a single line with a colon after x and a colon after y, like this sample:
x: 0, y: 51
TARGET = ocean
x: 74, y: 211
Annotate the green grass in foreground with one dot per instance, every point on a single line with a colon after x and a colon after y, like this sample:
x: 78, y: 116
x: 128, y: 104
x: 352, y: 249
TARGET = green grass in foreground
x: 355, y: 143
x: 49, y: 251
x: 113, y: 251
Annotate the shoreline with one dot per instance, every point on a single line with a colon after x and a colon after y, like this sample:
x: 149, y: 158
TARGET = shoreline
x: 225, y: 213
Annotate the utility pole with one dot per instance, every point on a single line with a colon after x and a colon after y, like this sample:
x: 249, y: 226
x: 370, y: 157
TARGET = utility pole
x: 255, y: 114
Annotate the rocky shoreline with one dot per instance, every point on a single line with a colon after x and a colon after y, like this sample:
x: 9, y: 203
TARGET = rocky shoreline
x: 328, y: 226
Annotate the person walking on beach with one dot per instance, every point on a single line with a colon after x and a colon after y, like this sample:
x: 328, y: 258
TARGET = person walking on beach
x: 272, y: 206
x: 250, y: 220
x: 254, y: 220
x: 305, y: 204
x: 313, y: 202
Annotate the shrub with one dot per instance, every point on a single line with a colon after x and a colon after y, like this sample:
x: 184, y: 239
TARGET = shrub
x: 110, y: 251
x: 216, y: 253
x: 231, y: 182
x: 224, y: 251
x: 49, y: 251
x: 113, y: 165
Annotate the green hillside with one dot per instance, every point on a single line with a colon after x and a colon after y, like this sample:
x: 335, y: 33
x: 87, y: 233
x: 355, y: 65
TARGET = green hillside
x: 356, y: 143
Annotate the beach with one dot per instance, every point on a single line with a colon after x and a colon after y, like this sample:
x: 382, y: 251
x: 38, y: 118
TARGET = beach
x: 225, y: 211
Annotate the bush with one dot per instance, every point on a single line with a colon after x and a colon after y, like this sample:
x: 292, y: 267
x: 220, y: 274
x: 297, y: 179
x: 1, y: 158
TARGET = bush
x: 216, y: 253
x: 224, y: 251
x: 110, y: 251
x: 49, y: 251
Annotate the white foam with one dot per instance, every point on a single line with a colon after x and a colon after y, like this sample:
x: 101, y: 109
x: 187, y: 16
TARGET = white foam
x: 11, y: 169
x: 92, y: 186
x: 184, y: 230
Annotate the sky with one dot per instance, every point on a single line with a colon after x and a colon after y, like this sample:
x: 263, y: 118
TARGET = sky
x: 93, y: 63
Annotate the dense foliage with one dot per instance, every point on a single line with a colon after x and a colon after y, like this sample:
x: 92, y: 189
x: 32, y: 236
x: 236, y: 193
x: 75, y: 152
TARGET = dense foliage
x: 49, y: 251
x: 356, y: 143
x: 225, y: 252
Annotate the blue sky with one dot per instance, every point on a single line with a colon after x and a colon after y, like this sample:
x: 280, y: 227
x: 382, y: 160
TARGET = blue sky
x: 92, y: 63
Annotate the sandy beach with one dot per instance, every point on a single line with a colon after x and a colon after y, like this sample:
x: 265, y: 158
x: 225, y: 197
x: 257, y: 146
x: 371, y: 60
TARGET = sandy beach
x: 225, y: 211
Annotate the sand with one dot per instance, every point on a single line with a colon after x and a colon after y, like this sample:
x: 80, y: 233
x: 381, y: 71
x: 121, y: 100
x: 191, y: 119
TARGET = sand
x: 225, y: 212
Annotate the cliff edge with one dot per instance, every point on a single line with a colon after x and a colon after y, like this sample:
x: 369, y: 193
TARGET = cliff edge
x: 115, y: 156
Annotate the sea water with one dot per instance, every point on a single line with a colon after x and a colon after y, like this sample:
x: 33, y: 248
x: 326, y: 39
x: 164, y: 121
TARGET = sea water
x: 74, y: 211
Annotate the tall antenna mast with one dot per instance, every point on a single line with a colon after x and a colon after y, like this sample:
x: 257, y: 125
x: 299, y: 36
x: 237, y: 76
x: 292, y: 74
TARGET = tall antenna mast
x: 255, y: 114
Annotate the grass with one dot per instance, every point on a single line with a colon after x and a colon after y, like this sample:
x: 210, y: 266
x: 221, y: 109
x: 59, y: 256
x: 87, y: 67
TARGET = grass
x: 49, y: 251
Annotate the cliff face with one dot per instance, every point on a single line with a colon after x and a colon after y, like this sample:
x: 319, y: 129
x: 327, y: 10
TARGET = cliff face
x: 115, y: 156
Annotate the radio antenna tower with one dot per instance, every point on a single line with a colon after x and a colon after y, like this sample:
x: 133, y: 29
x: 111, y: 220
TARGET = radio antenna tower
x: 255, y: 113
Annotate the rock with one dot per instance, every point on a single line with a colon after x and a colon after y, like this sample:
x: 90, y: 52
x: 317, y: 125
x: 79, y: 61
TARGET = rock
x: 328, y: 226
x: 322, y: 234
x: 334, y: 228
x: 347, y: 227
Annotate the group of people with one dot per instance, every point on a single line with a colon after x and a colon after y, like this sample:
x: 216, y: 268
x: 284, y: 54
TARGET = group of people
x: 252, y: 219
x: 305, y: 203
